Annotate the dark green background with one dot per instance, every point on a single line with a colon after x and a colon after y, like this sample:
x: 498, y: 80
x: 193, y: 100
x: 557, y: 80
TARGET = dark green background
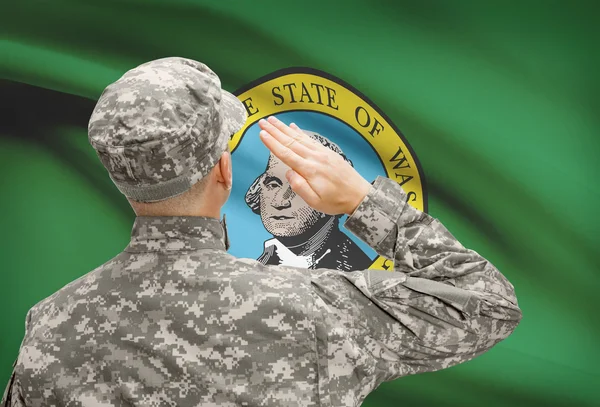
x: 498, y: 99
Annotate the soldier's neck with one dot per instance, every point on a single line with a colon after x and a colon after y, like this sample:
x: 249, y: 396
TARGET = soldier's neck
x: 161, y: 209
x: 206, y: 214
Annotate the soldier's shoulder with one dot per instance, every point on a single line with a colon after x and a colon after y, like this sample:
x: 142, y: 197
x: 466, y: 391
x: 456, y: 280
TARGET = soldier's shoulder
x: 71, y: 291
x: 245, y: 263
x: 255, y: 270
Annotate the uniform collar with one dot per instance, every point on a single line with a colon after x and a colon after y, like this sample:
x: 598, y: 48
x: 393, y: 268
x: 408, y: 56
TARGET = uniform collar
x: 175, y: 233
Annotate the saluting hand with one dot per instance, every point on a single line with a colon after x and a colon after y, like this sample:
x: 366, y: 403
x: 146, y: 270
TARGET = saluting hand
x: 317, y: 174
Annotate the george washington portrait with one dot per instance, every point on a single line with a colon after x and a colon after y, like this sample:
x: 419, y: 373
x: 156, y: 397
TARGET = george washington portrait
x: 302, y: 236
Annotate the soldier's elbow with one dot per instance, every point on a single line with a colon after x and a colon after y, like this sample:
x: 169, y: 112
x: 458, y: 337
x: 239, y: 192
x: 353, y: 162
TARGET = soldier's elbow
x: 499, y: 330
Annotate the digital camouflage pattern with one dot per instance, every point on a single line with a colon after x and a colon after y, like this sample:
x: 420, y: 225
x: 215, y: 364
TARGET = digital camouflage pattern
x: 163, y: 126
x: 174, y: 320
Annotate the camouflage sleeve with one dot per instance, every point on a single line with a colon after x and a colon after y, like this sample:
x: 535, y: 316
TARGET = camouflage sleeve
x: 443, y: 305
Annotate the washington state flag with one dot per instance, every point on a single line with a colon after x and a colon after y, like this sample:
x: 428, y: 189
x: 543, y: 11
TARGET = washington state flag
x: 486, y: 113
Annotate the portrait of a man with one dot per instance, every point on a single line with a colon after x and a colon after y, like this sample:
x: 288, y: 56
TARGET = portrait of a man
x: 302, y: 236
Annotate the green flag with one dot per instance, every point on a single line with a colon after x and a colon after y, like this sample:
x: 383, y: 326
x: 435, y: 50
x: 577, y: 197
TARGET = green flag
x: 486, y: 111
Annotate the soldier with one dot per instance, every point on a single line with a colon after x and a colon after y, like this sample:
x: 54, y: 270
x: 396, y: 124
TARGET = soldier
x: 174, y: 320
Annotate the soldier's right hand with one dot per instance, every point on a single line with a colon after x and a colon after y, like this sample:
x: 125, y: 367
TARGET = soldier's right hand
x: 319, y: 175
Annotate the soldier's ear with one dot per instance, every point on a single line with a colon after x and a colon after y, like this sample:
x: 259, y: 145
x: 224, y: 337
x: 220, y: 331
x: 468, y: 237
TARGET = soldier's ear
x: 225, y: 173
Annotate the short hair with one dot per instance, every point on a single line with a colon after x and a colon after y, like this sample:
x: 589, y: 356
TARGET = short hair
x: 252, y: 197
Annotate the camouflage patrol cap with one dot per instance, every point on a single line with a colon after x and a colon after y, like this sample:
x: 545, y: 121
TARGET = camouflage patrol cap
x: 163, y: 126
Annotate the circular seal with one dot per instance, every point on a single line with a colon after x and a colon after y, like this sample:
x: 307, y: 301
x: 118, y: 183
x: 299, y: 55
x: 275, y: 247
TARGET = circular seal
x: 267, y: 221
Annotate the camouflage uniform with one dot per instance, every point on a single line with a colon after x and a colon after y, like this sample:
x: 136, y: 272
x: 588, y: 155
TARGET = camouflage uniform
x: 174, y: 320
